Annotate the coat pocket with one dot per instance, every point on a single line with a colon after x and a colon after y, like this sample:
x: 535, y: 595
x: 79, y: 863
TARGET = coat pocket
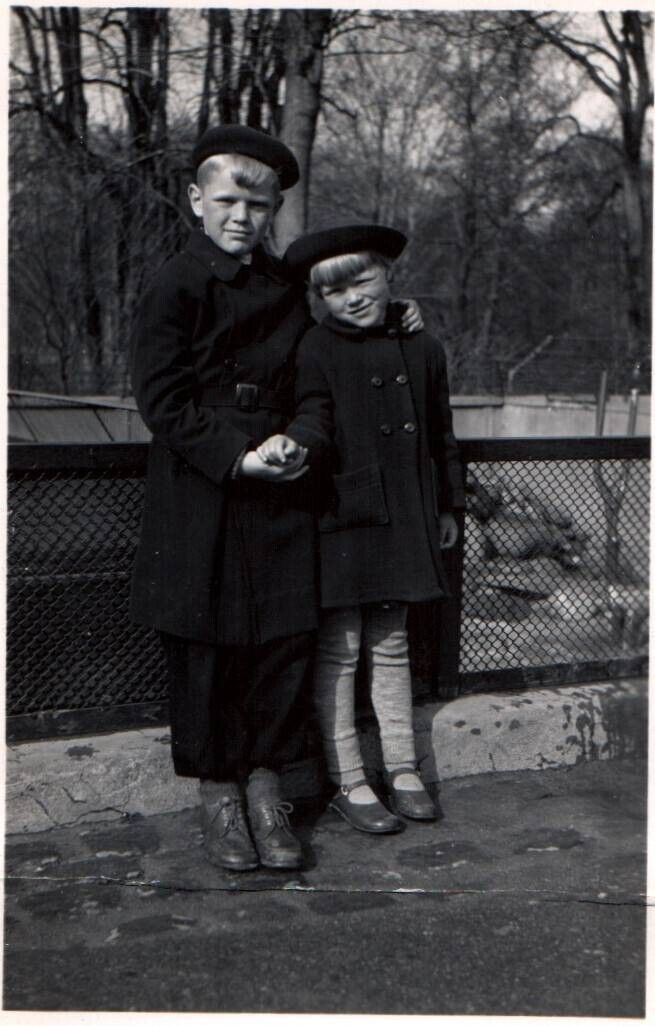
x: 358, y: 500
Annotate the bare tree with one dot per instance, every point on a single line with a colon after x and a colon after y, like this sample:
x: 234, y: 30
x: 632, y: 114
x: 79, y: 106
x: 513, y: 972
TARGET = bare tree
x: 455, y: 126
x: 617, y: 64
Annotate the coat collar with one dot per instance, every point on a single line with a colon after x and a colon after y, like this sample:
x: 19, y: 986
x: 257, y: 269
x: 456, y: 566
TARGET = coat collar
x: 390, y: 329
x: 225, y: 267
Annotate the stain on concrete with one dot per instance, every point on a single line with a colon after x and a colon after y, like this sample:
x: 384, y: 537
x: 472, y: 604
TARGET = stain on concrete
x: 476, y: 730
x: 331, y: 904
x: 147, y: 926
x: 47, y: 905
x: 440, y: 856
x: 26, y: 856
x: 113, y: 868
x: 506, y: 930
x: 545, y: 840
x: 460, y: 723
x: 585, y: 723
x: 140, y: 837
x: 272, y: 910
x: 514, y: 724
x: 626, y: 726
x: 81, y: 751
x: 91, y: 897
x: 544, y: 763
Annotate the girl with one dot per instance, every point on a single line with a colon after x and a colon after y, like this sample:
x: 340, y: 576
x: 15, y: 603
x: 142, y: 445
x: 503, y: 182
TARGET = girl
x: 377, y: 401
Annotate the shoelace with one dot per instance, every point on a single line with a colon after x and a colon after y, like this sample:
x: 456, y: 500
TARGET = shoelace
x: 234, y: 818
x: 279, y: 814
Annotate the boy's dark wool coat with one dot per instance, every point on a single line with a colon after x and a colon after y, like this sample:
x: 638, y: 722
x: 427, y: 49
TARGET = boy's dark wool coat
x: 229, y: 562
x: 383, y: 399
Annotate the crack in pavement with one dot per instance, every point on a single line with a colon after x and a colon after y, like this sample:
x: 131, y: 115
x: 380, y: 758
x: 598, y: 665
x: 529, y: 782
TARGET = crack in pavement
x: 556, y: 897
x: 63, y: 824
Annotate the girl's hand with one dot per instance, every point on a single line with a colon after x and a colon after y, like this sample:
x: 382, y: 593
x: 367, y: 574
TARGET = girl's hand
x: 447, y: 530
x: 279, y: 450
x: 253, y: 466
x: 411, y: 319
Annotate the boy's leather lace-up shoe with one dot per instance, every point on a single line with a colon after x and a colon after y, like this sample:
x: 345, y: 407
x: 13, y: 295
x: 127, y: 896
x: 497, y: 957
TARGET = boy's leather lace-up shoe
x: 268, y: 815
x: 371, y: 818
x: 226, y: 838
x: 411, y: 804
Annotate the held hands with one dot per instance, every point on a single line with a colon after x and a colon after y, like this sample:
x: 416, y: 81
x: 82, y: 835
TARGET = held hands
x: 279, y: 458
x: 447, y: 530
x: 411, y: 319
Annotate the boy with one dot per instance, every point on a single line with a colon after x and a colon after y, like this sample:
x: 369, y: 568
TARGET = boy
x: 225, y: 569
x: 381, y: 400
x: 225, y: 565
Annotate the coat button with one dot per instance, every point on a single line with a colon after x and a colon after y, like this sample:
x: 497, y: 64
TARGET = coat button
x: 229, y: 363
x: 376, y: 382
x: 392, y: 332
x: 401, y: 379
x: 409, y: 427
x: 386, y: 429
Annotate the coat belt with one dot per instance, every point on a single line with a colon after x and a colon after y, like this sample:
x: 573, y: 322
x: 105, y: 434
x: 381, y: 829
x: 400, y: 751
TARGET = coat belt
x: 245, y: 396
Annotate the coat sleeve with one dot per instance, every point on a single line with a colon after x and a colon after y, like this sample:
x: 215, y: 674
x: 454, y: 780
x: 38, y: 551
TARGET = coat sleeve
x: 313, y: 424
x: 165, y: 383
x: 443, y: 445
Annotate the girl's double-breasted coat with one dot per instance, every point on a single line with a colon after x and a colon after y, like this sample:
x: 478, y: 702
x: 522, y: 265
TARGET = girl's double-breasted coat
x: 381, y: 399
x: 220, y: 560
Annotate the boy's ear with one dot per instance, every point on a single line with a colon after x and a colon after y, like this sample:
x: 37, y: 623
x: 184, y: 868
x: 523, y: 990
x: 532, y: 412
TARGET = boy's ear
x: 195, y: 199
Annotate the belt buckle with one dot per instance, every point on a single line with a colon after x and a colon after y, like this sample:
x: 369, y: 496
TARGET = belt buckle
x: 248, y: 397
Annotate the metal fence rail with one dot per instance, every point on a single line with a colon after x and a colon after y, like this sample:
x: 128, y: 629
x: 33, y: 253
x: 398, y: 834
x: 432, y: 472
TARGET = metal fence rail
x: 549, y: 579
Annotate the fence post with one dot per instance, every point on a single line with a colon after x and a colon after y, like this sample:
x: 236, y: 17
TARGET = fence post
x: 450, y: 617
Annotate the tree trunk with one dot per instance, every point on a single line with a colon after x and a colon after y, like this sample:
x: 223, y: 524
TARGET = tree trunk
x: 636, y: 257
x: 304, y: 33
x: 209, y: 74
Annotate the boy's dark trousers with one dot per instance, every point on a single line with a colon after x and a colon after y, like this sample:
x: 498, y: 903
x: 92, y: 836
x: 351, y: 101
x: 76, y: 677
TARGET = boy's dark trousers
x: 238, y: 708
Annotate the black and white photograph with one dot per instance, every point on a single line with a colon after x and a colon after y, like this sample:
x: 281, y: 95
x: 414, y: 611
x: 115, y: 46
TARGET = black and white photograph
x: 328, y: 508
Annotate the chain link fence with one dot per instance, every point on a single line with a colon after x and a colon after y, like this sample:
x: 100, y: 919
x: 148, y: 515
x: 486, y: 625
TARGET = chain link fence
x: 555, y: 559
x: 555, y: 565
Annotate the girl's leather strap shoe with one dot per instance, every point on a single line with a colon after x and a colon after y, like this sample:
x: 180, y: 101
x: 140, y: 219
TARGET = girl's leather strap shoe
x: 371, y: 818
x: 411, y: 804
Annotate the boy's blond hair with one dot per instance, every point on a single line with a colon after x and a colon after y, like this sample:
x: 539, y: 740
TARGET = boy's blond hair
x: 246, y: 172
x: 337, y: 270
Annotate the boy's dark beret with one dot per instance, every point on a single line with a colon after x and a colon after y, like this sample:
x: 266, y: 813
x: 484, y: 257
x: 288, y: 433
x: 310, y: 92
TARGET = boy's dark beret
x: 310, y: 249
x: 249, y: 142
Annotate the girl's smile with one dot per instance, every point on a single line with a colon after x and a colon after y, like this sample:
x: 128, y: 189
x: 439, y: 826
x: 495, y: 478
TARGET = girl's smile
x: 361, y: 300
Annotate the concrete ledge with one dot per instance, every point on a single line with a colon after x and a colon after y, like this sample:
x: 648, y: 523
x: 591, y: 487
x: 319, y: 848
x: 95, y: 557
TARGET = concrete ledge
x: 544, y: 728
x: 60, y: 783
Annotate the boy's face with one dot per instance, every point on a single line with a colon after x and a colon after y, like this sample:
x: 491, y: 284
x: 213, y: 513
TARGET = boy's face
x: 236, y: 218
x: 361, y: 300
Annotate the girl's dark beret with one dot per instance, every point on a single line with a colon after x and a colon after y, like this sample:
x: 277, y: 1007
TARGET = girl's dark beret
x: 310, y: 249
x: 249, y: 142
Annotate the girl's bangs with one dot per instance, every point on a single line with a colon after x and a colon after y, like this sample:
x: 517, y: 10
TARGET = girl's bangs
x: 338, y: 269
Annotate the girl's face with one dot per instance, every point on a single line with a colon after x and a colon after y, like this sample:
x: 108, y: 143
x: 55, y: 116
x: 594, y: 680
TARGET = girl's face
x: 361, y: 300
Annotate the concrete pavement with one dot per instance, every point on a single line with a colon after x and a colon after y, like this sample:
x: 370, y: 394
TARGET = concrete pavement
x: 527, y: 898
